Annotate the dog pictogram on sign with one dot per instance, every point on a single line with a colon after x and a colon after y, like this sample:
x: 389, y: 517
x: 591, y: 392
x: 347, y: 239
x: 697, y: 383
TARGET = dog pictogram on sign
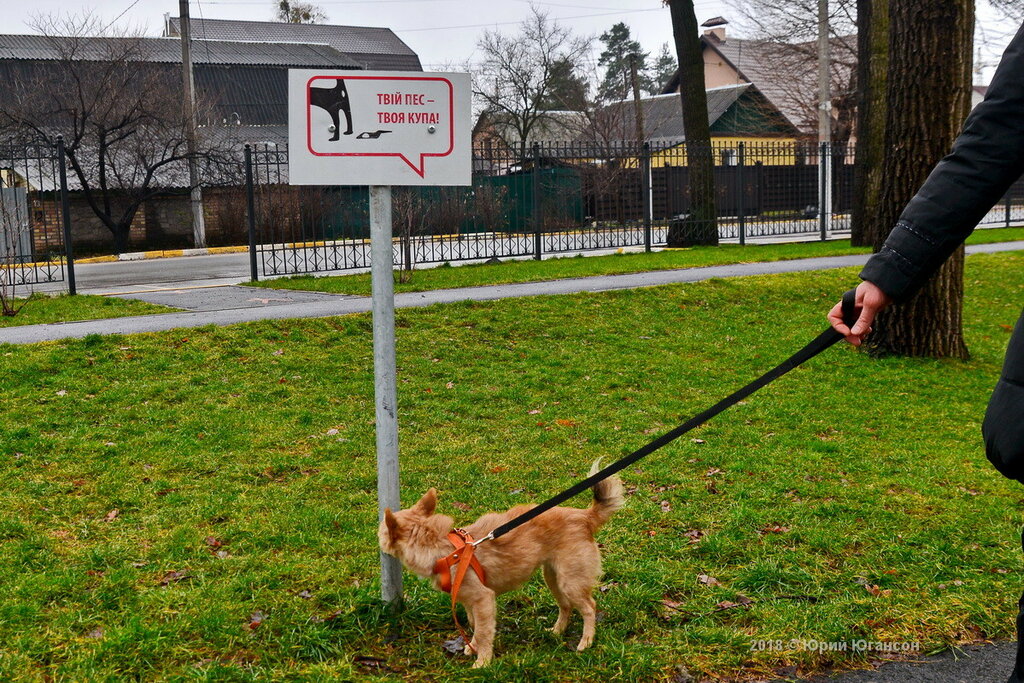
x: 379, y: 128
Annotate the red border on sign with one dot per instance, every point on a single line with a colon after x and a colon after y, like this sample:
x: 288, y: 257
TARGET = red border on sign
x: 451, y: 110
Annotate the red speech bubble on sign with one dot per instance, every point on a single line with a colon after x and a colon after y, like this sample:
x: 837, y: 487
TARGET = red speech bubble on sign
x: 411, y: 118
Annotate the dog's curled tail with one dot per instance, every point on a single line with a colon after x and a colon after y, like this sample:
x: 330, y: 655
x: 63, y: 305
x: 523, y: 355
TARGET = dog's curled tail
x: 608, y: 496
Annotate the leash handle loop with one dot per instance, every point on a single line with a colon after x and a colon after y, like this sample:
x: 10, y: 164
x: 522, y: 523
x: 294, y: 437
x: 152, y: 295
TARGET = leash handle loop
x: 851, y: 311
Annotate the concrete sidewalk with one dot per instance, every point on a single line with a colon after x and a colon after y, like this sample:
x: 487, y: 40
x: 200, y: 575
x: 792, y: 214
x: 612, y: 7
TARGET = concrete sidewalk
x: 228, y: 305
x: 235, y: 304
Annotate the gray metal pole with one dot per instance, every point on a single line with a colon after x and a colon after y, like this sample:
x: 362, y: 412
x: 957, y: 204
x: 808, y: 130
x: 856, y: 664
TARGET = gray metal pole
x: 740, y: 209
x: 188, y: 83
x: 65, y: 217
x: 645, y: 190
x: 824, y: 113
x: 250, y: 211
x: 385, y: 383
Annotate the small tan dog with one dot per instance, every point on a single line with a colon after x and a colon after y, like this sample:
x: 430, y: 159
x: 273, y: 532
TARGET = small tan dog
x: 560, y: 540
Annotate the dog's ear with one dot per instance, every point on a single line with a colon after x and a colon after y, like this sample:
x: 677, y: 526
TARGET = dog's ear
x: 428, y: 503
x: 391, y: 522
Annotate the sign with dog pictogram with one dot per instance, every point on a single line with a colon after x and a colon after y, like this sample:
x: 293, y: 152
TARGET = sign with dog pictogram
x: 378, y: 128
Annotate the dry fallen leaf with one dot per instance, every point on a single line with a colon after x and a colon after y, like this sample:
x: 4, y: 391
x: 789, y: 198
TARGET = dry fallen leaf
x: 255, y: 620
x: 665, y: 506
x: 694, y: 535
x: 112, y: 515
x: 708, y: 580
x: 461, y: 506
x: 173, y: 576
x: 533, y: 412
x: 566, y: 423
x: 876, y: 591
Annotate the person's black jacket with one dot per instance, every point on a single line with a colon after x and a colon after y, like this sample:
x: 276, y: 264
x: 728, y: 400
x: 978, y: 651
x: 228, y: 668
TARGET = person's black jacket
x: 987, y: 157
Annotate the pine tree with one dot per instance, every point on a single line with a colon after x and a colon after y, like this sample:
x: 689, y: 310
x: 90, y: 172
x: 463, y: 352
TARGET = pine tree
x: 664, y: 69
x: 619, y: 47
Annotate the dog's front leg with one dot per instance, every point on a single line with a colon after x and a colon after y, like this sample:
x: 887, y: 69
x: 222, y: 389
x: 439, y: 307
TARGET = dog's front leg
x: 484, y: 609
x: 470, y: 647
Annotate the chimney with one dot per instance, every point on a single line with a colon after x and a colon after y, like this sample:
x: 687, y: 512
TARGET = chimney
x: 716, y: 28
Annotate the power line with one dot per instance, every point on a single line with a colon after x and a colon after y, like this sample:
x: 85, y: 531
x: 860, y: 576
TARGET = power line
x: 104, y: 29
x: 516, y: 23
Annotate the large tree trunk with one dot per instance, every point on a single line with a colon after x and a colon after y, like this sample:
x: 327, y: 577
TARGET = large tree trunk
x: 866, y: 228
x: 701, y: 226
x: 928, y: 97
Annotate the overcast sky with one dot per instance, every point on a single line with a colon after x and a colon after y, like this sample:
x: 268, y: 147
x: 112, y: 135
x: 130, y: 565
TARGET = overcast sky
x: 442, y: 32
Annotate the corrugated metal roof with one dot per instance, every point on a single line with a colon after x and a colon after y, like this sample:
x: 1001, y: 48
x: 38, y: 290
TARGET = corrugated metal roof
x: 168, y: 50
x: 663, y: 115
x: 237, y: 93
x: 765, y: 63
x: 372, y: 47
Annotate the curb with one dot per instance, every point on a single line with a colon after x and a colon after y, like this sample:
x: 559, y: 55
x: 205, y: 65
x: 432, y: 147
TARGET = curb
x: 165, y: 253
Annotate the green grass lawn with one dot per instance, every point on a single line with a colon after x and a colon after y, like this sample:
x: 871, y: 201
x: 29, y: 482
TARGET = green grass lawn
x: 200, y: 504
x: 474, y: 275
x: 41, y: 308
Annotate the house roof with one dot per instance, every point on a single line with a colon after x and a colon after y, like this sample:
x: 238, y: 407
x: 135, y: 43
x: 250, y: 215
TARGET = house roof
x: 762, y: 62
x: 371, y: 47
x: 244, y: 82
x: 168, y: 50
x: 663, y: 117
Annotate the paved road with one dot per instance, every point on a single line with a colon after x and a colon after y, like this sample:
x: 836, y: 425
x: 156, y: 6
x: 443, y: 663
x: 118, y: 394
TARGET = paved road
x: 971, y: 664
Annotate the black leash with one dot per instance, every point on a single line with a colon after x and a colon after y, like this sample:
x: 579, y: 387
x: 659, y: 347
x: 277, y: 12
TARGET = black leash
x: 823, y: 341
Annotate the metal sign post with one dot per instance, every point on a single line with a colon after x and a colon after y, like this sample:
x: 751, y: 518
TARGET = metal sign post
x: 380, y: 129
x: 384, y: 375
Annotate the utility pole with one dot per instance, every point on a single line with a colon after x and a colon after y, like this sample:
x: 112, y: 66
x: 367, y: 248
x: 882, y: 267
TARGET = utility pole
x: 824, y: 114
x: 189, y: 115
x: 638, y: 110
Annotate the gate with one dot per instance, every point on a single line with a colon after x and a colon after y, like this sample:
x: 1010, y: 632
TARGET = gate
x: 35, y: 245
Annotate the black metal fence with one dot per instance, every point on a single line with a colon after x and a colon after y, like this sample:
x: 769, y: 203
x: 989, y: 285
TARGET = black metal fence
x: 34, y: 243
x: 557, y: 198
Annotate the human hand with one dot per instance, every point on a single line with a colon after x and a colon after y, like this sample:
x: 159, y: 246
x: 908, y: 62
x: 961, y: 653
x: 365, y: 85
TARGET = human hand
x: 870, y: 299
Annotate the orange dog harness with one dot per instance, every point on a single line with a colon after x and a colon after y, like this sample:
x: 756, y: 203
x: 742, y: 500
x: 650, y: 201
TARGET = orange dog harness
x: 462, y: 559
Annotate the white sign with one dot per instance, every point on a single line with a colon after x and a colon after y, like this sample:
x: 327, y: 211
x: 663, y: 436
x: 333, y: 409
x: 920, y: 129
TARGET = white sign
x: 378, y: 128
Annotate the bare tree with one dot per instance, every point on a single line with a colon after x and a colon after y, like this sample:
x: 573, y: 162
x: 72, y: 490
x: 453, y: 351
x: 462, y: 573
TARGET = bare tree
x: 701, y: 226
x: 514, y: 76
x: 866, y: 227
x: 1013, y: 9
x: 296, y: 12
x: 120, y: 114
x: 786, y: 32
x: 933, y: 37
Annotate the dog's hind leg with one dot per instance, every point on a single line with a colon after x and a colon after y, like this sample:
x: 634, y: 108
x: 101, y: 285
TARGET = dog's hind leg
x: 564, y: 606
x: 577, y: 577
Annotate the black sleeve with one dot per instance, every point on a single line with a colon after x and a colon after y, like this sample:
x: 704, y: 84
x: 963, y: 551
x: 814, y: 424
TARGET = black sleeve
x: 987, y: 158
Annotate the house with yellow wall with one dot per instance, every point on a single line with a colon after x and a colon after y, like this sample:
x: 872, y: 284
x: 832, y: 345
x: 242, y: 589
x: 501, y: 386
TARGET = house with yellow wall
x: 742, y: 121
